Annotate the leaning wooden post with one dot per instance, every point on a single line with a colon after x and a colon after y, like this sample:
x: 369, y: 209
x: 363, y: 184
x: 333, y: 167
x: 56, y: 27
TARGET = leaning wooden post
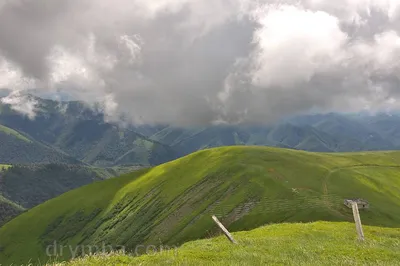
x: 226, y: 232
x: 357, y: 220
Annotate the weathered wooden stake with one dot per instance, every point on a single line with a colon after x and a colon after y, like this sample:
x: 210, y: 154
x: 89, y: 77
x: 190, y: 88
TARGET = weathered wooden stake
x: 357, y: 220
x: 226, y: 232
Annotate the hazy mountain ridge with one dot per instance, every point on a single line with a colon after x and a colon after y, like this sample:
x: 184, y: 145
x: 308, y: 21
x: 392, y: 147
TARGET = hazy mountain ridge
x: 81, y: 132
x: 322, y: 133
x: 75, y: 130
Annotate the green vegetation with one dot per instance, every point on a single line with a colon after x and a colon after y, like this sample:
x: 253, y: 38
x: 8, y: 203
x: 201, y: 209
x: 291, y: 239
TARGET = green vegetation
x: 320, y: 243
x: 171, y: 204
x: 4, y: 167
x: 12, y: 132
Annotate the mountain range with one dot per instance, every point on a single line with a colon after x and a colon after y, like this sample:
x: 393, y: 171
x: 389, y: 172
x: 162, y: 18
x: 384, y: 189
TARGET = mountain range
x: 321, y: 133
x: 70, y: 132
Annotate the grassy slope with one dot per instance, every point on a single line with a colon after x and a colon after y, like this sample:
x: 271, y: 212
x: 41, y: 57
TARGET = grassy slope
x: 172, y: 203
x: 320, y: 243
x: 13, y: 132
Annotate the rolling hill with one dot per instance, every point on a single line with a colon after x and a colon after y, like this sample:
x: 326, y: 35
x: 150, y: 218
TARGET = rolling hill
x: 319, y: 243
x: 171, y: 204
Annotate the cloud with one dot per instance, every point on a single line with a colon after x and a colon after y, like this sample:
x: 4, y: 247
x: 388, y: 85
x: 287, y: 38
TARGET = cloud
x: 201, y: 62
x: 300, y: 42
x: 21, y: 103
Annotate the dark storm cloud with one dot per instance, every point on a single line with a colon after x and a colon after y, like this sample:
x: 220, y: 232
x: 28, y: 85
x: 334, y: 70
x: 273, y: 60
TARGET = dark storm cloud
x: 201, y: 62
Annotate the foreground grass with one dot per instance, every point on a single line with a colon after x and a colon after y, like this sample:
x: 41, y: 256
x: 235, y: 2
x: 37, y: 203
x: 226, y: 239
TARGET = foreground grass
x: 320, y: 243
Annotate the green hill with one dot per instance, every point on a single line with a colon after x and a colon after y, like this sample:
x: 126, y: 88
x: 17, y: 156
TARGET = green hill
x: 320, y: 243
x: 171, y: 204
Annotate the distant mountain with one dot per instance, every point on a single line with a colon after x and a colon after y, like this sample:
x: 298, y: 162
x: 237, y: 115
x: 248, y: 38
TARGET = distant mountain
x: 190, y: 140
x: 18, y: 148
x: 70, y: 131
x: 321, y: 133
x: 387, y: 126
x: 81, y: 133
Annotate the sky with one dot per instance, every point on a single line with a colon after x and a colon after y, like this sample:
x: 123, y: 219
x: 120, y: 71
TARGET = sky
x: 192, y: 62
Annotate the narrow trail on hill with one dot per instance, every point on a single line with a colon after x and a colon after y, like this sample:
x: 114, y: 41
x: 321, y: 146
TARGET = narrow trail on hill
x: 334, y: 170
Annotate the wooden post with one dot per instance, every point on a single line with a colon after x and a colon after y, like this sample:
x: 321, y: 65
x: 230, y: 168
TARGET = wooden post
x: 357, y: 220
x: 226, y: 232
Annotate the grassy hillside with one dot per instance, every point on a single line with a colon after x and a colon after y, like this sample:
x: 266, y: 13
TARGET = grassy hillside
x: 320, y: 243
x: 14, y: 133
x: 245, y: 186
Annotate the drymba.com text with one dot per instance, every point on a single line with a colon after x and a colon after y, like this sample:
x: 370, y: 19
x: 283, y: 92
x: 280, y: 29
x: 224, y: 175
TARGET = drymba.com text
x: 57, y: 250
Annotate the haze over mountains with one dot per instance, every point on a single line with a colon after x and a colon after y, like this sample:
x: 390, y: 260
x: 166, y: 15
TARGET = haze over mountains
x: 71, y: 132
